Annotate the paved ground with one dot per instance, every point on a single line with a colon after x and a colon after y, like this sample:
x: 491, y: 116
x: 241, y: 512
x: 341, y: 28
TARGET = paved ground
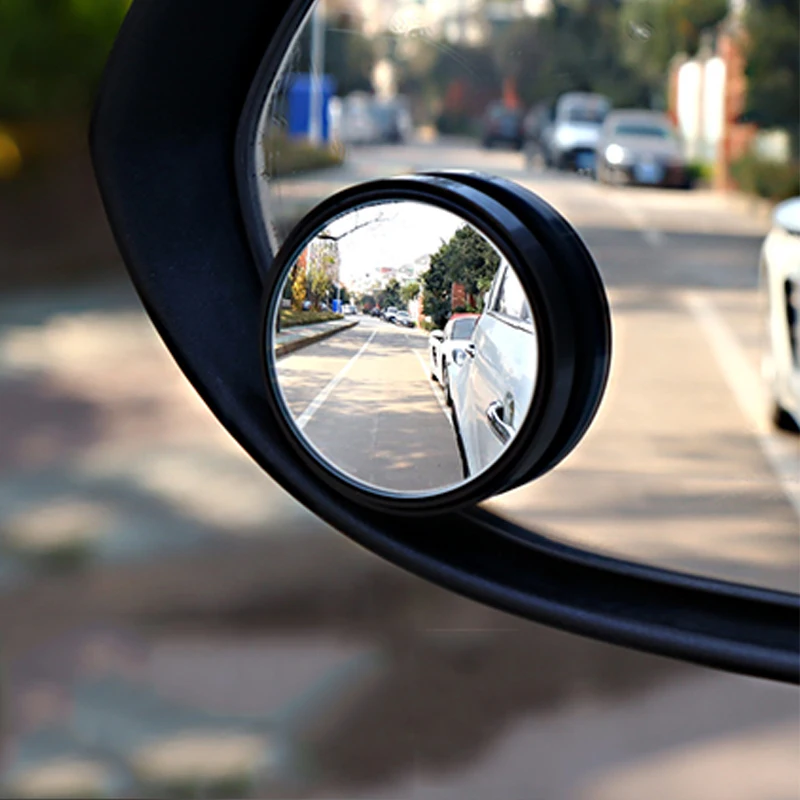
x: 365, y: 401
x: 169, y: 616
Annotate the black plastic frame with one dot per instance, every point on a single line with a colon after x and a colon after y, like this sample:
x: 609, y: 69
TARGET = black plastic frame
x: 163, y: 142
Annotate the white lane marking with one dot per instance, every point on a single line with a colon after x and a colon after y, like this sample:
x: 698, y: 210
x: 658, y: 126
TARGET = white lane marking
x: 435, y: 391
x: 781, y: 452
x: 320, y: 399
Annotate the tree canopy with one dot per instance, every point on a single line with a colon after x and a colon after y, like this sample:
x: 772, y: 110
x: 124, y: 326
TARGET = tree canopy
x: 52, y: 54
x: 466, y: 258
x: 773, y: 64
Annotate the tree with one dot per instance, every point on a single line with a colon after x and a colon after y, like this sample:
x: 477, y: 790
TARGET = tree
x: 390, y: 294
x: 52, y: 54
x: 409, y: 292
x: 322, y: 269
x: 652, y: 32
x: 773, y: 65
x: 299, y: 281
x: 466, y: 258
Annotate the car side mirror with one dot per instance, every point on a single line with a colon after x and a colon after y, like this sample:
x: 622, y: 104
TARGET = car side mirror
x: 174, y: 135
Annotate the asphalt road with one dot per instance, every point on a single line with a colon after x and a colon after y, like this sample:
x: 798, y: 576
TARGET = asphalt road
x: 364, y: 399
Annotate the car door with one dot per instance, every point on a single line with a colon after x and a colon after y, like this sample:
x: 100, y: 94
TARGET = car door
x: 500, y: 373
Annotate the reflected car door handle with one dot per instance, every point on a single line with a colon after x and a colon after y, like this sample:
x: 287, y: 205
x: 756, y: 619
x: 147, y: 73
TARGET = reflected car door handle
x: 495, y: 416
x: 470, y: 350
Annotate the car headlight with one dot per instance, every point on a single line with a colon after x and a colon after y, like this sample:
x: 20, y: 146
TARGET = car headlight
x: 565, y: 137
x: 615, y: 154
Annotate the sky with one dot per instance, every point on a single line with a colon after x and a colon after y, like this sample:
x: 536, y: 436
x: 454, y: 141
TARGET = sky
x: 390, y: 235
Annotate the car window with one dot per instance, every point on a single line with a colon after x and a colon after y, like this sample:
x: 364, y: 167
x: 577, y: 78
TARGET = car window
x: 594, y: 115
x: 462, y: 328
x: 642, y: 129
x: 510, y: 300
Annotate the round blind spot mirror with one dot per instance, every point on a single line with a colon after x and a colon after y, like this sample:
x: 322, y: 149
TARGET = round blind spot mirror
x: 403, y: 346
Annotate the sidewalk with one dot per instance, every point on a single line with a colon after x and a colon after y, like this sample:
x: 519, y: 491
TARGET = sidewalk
x: 298, y: 336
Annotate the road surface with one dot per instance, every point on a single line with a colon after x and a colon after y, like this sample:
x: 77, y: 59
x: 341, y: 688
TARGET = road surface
x: 364, y: 399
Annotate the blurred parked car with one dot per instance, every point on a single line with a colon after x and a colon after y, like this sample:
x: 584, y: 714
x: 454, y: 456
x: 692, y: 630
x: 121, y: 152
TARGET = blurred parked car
x: 358, y: 124
x: 364, y: 119
x: 348, y: 309
x: 570, y: 140
x: 403, y: 318
x: 780, y: 283
x: 456, y: 332
x: 388, y: 314
x: 392, y: 120
x: 502, y: 125
x: 641, y: 147
x: 493, y: 376
x: 535, y: 125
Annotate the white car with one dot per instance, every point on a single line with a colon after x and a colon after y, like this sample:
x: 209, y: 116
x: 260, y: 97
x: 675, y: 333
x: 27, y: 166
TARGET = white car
x: 571, y: 139
x: 456, y: 333
x: 780, y: 284
x: 493, y: 376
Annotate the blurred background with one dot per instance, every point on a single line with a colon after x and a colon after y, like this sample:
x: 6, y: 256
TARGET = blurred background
x: 172, y: 624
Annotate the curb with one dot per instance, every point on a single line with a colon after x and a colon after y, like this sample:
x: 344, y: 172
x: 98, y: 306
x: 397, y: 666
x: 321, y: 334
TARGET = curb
x: 289, y: 347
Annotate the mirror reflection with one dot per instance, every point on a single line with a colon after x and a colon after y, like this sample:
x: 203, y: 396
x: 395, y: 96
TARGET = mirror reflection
x: 404, y: 347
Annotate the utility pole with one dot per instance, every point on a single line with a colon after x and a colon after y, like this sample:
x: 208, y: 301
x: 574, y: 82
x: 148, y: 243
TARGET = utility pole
x: 317, y: 67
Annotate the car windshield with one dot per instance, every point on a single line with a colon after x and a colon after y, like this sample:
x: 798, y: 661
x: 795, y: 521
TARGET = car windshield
x: 645, y: 129
x: 462, y: 328
x: 581, y: 114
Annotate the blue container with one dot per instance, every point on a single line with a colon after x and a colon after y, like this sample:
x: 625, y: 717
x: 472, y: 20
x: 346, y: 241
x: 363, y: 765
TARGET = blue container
x: 336, y: 306
x: 299, y: 96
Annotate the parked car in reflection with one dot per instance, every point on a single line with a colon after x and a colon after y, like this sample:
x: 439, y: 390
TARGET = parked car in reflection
x: 441, y: 344
x: 492, y: 377
x: 570, y: 141
x: 388, y: 314
x: 502, y: 125
x: 403, y: 318
x: 641, y: 147
x: 780, y: 286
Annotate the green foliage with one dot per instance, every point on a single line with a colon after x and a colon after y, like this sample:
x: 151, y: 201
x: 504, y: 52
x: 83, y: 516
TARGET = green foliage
x: 285, y: 157
x: 409, y: 291
x: 699, y: 172
x: 770, y: 179
x: 391, y: 294
x: 773, y: 65
x: 652, y: 32
x: 299, y: 284
x: 290, y: 318
x: 322, y: 269
x: 467, y: 258
x: 52, y: 54
x: 575, y: 47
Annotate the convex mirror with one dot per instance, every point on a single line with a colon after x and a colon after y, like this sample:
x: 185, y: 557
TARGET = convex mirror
x: 417, y: 342
x: 390, y: 363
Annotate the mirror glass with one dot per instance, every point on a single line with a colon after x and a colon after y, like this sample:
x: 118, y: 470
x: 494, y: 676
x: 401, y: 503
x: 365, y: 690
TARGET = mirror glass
x: 404, y: 347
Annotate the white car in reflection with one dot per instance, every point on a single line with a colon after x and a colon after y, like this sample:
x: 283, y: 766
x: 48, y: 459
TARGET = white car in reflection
x: 456, y: 333
x: 780, y: 284
x: 493, y: 376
